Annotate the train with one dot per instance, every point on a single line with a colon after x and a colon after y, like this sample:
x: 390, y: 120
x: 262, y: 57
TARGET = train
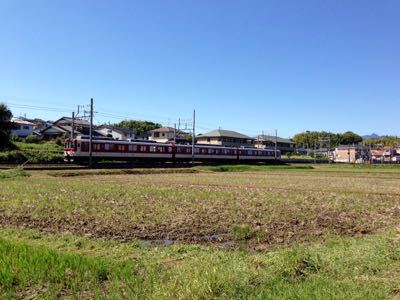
x: 103, y: 149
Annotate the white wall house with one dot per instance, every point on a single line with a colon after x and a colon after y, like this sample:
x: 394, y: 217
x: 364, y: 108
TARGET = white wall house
x: 116, y: 133
x: 23, y: 128
x: 165, y: 134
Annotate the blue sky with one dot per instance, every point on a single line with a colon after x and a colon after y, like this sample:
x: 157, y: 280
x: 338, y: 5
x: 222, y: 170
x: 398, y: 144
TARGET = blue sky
x: 250, y: 66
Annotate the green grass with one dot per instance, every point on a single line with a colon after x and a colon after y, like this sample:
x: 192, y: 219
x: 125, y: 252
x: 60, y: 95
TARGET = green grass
x: 243, y: 168
x: 51, y: 266
x: 12, y: 173
x: 323, y: 233
x: 48, y: 152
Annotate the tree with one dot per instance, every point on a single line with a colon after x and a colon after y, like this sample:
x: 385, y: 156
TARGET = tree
x: 139, y: 127
x: 5, y: 126
x: 349, y: 138
x: 385, y: 141
x: 309, y: 139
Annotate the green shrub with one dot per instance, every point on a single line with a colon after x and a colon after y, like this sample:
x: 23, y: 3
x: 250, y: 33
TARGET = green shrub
x: 34, y: 153
x: 15, y: 138
x: 32, y: 139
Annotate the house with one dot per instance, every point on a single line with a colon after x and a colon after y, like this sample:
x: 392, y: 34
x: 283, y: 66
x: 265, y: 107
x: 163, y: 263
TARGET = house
x: 116, y: 133
x: 38, y: 124
x: 167, y: 134
x: 80, y: 125
x: 351, y: 154
x: 63, y: 128
x: 225, y: 138
x: 55, y: 132
x: 268, y: 141
x: 23, y: 128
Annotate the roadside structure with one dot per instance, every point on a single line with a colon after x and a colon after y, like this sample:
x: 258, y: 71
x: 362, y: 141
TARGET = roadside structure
x: 227, y: 138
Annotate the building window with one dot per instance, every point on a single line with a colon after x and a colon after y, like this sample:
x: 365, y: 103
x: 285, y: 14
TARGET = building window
x: 156, y: 134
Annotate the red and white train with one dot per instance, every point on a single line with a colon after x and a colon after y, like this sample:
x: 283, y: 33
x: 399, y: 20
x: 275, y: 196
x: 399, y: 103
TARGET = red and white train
x: 77, y: 150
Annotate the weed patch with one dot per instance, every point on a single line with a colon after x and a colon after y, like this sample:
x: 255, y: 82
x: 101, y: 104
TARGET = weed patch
x: 12, y: 173
x: 244, y: 168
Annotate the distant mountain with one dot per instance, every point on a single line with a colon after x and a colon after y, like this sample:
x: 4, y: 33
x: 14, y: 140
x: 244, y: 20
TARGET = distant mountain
x: 371, y: 136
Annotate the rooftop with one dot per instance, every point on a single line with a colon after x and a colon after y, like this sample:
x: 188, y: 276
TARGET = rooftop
x: 168, y: 129
x: 118, y: 129
x: 271, y: 138
x: 225, y: 133
x: 69, y: 120
x: 21, y: 122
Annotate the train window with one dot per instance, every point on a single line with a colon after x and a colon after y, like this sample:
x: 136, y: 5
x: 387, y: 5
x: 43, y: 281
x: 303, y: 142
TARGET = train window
x: 85, y: 146
x: 196, y: 150
x: 169, y: 149
x: 130, y: 148
x: 96, y: 147
x: 216, y: 151
x: 153, y: 148
x: 160, y: 149
x: 210, y: 151
x: 106, y: 147
x: 134, y: 148
x: 121, y: 147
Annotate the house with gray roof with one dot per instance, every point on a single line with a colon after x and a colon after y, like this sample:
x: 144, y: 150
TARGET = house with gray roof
x: 116, y: 133
x: 227, y: 138
x: 268, y: 141
x: 22, y: 128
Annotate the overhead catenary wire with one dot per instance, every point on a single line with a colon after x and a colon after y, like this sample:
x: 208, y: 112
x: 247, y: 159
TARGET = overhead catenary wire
x: 103, y: 112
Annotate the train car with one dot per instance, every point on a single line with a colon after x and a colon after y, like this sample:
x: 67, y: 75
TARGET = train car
x: 77, y: 150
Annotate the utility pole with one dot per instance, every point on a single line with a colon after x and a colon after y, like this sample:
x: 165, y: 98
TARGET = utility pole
x: 329, y: 151
x: 73, y: 125
x: 348, y: 153
x: 315, y: 152
x: 174, y: 133
x: 91, y: 134
x: 193, y: 134
x: 276, y: 143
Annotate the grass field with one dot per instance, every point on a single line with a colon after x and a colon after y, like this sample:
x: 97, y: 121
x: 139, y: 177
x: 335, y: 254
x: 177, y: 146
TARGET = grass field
x: 46, y: 152
x: 264, y: 232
